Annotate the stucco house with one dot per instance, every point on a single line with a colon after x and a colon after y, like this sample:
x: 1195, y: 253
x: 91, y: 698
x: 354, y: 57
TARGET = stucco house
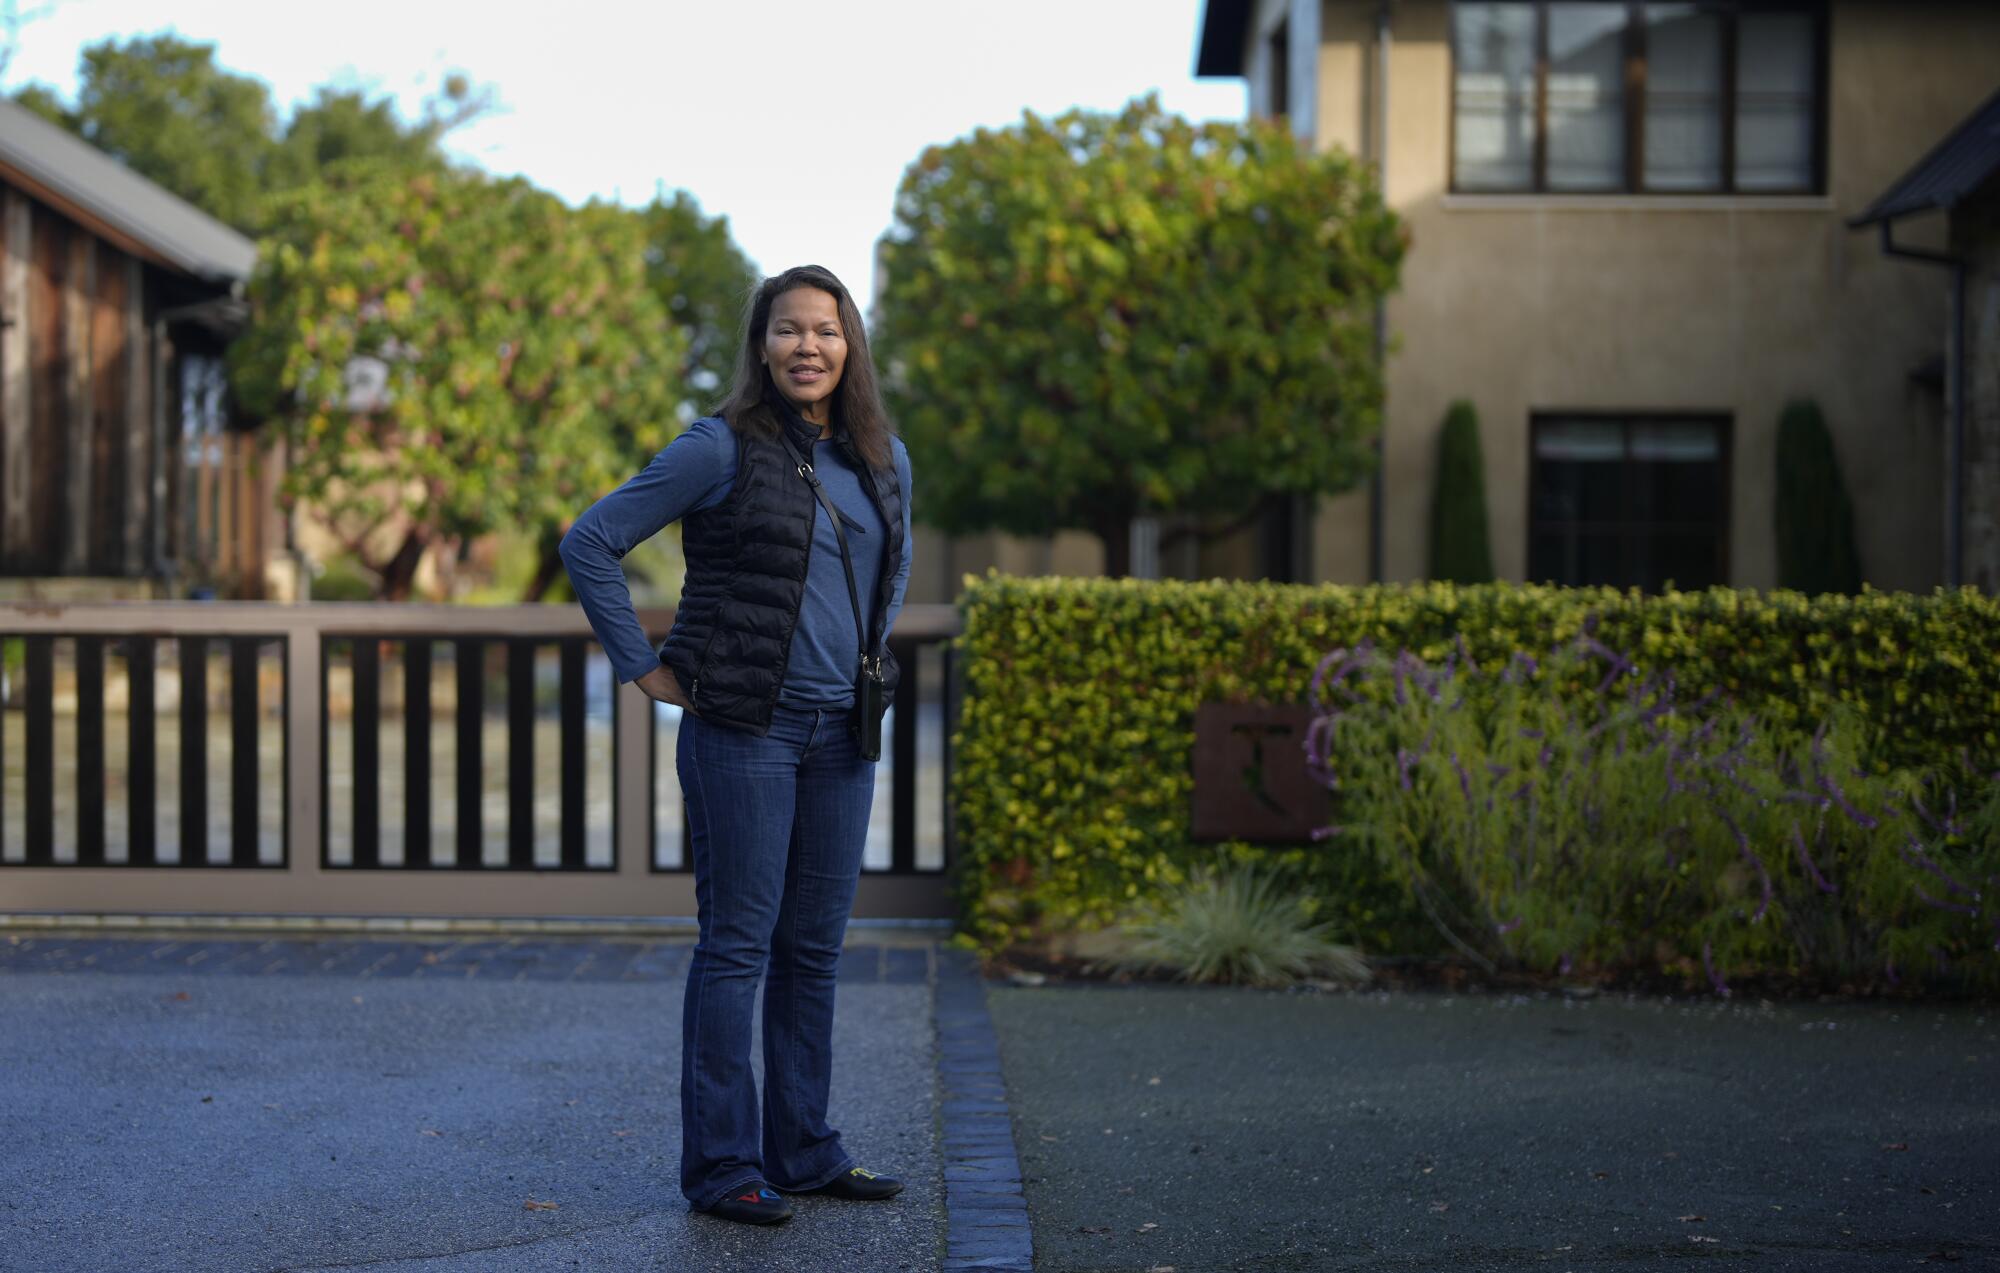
x: 1640, y: 228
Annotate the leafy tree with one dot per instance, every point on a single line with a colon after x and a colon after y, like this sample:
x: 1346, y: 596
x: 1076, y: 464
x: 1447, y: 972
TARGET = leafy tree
x: 519, y: 346
x: 703, y: 279
x: 1091, y: 317
x: 343, y: 124
x: 42, y: 100
x: 1459, y: 551
x: 161, y: 105
x: 1812, y: 517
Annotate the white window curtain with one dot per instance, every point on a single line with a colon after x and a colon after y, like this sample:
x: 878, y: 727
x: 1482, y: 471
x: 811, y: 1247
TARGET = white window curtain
x: 1683, y: 98
x: 1774, y: 83
x: 1586, y: 96
x: 1495, y: 123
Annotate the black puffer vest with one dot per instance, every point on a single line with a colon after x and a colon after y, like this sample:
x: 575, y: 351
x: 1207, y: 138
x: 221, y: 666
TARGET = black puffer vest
x: 746, y: 576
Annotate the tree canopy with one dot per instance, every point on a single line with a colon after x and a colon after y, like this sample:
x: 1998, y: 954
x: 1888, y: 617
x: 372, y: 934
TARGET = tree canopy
x: 525, y: 375
x: 451, y: 355
x: 164, y: 107
x: 1092, y: 317
x: 704, y: 280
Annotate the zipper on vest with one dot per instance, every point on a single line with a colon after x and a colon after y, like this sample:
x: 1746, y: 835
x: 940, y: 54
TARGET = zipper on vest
x: 701, y: 663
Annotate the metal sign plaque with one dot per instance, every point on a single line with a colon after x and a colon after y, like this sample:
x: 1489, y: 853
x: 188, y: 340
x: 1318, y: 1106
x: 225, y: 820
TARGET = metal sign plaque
x: 1250, y: 777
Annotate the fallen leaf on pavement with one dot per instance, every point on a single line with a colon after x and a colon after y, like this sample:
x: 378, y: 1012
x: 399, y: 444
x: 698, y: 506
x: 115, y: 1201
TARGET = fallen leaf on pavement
x: 1901, y: 1146
x: 182, y: 996
x: 1692, y: 1219
x: 1440, y: 1206
x: 1696, y: 1237
x: 1144, y: 1227
x: 432, y: 1131
x: 1093, y: 1228
x: 532, y: 1205
x: 626, y: 1132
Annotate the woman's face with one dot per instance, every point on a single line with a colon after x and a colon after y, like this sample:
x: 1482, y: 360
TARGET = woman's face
x: 805, y: 349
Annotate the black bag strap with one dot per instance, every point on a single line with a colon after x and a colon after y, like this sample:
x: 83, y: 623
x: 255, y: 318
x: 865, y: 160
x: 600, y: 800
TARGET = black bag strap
x: 805, y: 470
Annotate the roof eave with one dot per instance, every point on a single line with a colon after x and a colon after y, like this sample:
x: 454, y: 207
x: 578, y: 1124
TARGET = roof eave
x: 1224, y: 26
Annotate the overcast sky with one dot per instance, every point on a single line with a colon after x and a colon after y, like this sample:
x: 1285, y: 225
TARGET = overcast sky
x: 793, y: 119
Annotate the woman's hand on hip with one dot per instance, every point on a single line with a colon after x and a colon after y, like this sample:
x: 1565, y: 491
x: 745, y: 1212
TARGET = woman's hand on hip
x: 661, y: 685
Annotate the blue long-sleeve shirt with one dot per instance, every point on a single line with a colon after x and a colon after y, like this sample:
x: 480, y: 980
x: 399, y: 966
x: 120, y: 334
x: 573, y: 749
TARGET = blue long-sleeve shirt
x: 696, y: 471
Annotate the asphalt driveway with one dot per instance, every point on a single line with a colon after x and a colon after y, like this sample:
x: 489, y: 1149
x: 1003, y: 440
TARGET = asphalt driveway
x: 1208, y: 1129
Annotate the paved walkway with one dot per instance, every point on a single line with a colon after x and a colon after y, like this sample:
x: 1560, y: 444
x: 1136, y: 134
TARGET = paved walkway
x: 296, y: 1105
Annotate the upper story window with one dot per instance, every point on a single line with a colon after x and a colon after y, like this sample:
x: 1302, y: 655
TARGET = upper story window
x: 1639, y: 96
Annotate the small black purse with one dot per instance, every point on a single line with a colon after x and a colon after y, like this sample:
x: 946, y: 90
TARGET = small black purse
x: 871, y: 697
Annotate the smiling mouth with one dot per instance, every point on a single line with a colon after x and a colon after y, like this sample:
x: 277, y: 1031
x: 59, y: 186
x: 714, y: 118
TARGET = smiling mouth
x: 808, y: 371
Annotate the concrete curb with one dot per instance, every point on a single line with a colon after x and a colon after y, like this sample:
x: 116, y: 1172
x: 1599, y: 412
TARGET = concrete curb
x: 878, y: 930
x: 986, y: 1212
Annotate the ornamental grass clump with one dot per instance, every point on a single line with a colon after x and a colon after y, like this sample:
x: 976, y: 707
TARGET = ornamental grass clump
x: 1242, y: 926
x: 1635, y: 829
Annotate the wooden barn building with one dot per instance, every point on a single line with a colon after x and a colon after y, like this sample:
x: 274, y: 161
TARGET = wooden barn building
x: 122, y: 473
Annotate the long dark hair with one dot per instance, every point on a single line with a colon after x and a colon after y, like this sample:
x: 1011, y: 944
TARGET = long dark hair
x: 857, y: 403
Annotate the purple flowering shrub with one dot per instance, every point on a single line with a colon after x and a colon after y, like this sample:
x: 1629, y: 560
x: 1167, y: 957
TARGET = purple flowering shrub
x: 1634, y: 827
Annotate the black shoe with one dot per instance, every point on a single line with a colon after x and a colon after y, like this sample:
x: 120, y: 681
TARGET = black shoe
x: 860, y: 1185
x: 754, y: 1203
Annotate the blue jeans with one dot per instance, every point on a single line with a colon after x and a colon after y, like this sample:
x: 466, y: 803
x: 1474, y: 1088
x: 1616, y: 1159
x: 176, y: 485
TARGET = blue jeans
x: 777, y: 825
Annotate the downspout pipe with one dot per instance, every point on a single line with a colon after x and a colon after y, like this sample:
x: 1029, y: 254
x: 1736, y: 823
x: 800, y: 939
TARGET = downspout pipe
x: 1375, y: 486
x: 1954, y: 489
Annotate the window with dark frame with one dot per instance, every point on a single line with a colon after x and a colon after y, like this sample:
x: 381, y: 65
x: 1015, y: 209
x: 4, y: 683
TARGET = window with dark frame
x: 1639, y: 96
x: 1631, y: 501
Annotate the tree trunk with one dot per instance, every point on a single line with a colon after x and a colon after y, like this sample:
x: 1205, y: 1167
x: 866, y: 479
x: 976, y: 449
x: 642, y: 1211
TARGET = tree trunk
x: 1116, y: 532
x: 400, y: 574
x: 547, y: 570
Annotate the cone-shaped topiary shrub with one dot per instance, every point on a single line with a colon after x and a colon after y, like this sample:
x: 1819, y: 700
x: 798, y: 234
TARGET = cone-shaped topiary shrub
x: 1459, y: 551
x: 1811, y: 515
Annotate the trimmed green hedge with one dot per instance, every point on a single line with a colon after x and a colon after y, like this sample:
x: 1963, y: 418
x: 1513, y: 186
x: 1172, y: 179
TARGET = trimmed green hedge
x: 1071, y: 762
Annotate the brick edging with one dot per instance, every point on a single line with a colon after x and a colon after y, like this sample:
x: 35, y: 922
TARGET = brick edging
x: 986, y: 1212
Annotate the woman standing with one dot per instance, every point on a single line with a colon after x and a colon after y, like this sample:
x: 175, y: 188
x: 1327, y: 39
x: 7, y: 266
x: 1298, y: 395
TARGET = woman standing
x: 796, y: 532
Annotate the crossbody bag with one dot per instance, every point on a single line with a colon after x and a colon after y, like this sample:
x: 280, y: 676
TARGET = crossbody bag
x: 870, y: 698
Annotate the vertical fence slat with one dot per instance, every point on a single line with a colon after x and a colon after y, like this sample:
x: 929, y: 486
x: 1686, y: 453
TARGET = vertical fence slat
x: 4, y: 639
x: 39, y: 814
x: 903, y: 800
x: 417, y: 752
x: 366, y: 718
x: 90, y: 751
x: 520, y: 752
x: 243, y: 751
x: 140, y: 747
x: 194, y: 751
x: 572, y: 753
x: 471, y: 716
